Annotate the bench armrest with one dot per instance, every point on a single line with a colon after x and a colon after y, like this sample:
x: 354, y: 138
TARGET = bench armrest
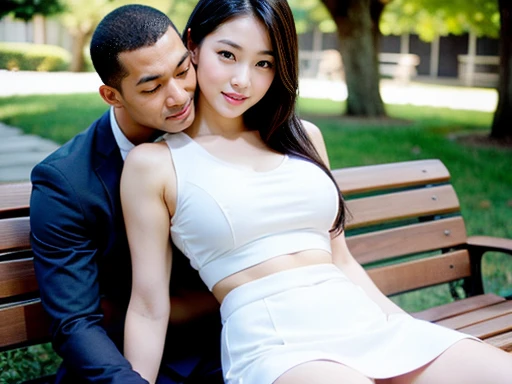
x: 477, y: 247
x: 487, y: 244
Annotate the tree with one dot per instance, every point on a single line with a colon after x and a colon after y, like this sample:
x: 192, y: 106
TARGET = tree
x: 501, y: 125
x: 431, y: 18
x: 357, y: 24
x: 27, y: 10
x: 483, y: 17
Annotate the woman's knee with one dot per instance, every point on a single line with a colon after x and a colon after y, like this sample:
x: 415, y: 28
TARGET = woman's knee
x: 322, y: 371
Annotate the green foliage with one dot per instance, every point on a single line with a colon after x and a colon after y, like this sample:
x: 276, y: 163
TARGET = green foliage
x: 431, y: 18
x: 33, y: 57
x: 180, y: 11
x: 86, y: 14
x: 26, y: 9
x: 310, y: 13
x: 28, y: 363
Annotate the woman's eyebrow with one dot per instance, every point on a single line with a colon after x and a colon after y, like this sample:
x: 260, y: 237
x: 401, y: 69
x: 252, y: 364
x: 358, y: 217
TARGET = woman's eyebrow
x: 236, y: 46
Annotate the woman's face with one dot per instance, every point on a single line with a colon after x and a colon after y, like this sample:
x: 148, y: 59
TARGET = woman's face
x: 235, y: 66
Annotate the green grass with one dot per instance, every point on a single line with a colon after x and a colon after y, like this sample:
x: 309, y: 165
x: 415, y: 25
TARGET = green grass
x: 27, y: 363
x: 56, y: 117
x: 481, y: 176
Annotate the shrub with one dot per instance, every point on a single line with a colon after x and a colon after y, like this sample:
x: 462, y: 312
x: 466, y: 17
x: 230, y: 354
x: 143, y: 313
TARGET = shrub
x: 33, y: 57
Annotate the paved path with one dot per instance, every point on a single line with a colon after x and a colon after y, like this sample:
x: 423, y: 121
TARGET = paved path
x: 32, y: 83
x: 19, y: 152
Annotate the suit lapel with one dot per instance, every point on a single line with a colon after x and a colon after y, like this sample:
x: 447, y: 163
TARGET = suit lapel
x: 108, y: 162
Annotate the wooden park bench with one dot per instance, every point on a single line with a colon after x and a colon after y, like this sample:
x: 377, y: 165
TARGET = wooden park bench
x: 479, y: 70
x: 328, y: 64
x: 408, y: 232
x: 399, y: 66
x: 406, y: 229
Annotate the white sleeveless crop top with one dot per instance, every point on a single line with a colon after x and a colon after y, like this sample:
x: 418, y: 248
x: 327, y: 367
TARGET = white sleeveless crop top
x: 228, y: 219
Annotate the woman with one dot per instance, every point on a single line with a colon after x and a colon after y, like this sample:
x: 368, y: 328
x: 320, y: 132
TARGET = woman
x: 248, y: 196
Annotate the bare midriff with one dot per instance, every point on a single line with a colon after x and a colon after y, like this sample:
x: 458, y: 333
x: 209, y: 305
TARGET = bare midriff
x: 274, y: 265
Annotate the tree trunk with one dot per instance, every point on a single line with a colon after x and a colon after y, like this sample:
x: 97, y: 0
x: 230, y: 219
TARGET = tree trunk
x: 358, y: 32
x: 80, y: 39
x: 502, y: 124
x: 39, y: 29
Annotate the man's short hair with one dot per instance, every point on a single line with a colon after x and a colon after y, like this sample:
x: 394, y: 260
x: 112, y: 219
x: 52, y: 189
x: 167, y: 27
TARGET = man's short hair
x: 125, y: 29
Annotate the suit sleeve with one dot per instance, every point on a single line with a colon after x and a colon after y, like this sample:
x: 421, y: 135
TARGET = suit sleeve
x: 65, y: 262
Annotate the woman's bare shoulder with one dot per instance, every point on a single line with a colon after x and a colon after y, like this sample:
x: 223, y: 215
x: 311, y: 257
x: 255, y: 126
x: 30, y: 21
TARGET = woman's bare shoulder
x: 316, y: 137
x: 149, y: 163
x: 312, y: 130
x: 148, y: 155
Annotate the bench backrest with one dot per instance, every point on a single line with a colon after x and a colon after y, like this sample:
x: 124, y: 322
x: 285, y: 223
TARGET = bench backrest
x: 405, y: 219
x: 22, y: 319
x: 405, y: 222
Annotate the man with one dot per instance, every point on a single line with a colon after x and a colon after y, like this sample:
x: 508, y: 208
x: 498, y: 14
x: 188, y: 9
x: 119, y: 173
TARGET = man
x: 81, y: 253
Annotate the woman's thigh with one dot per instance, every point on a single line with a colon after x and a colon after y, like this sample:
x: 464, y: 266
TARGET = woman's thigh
x: 322, y: 371
x: 468, y: 362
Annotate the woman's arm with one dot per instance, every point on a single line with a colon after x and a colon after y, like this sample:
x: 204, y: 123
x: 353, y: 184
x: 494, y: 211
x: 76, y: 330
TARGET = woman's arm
x: 344, y: 260
x: 341, y: 255
x: 144, y: 185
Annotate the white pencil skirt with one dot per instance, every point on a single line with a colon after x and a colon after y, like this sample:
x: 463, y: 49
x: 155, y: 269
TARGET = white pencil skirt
x: 315, y: 313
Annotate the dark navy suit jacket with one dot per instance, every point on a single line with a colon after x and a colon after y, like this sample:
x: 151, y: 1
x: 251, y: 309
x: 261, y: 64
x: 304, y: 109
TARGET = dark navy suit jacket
x: 81, y: 254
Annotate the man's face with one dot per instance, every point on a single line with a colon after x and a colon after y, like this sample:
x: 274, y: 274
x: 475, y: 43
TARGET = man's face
x: 158, y: 92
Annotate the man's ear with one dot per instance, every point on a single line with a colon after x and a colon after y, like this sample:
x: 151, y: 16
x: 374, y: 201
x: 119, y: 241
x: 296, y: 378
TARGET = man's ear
x: 192, y: 47
x: 110, y: 95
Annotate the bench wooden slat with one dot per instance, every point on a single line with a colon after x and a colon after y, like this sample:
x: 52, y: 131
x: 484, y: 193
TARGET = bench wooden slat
x: 421, y: 273
x: 17, y: 277
x: 407, y: 240
x: 490, y: 328
x: 503, y: 341
x: 14, y: 196
x: 23, y: 323
x: 14, y: 234
x: 477, y: 316
x: 414, y: 203
x: 373, y: 178
x: 458, y: 307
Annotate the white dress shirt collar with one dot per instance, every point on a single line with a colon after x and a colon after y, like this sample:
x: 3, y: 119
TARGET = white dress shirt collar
x: 122, y: 141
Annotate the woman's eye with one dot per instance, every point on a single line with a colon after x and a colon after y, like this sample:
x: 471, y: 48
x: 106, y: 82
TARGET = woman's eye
x: 265, y: 64
x: 226, y: 55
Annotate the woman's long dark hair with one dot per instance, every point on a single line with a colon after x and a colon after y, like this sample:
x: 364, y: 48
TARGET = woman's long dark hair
x: 274, y: 116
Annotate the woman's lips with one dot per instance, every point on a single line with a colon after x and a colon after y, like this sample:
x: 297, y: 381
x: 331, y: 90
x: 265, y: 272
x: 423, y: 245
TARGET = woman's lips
x: 234, y: 98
